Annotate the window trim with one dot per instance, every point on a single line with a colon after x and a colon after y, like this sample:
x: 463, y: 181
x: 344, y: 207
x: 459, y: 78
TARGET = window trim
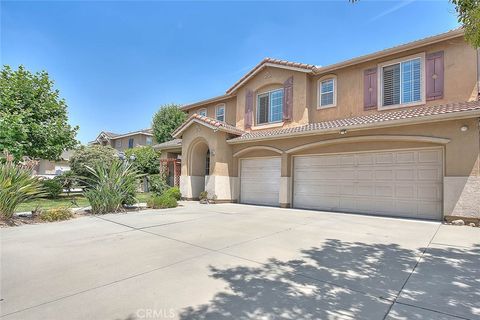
x: 219, y: 106
x: 151, y: 141
x: 380, y: 67
x: 319, y: 93
x: 133, y: 143
x: 257, y: 109
x: 202, y: 110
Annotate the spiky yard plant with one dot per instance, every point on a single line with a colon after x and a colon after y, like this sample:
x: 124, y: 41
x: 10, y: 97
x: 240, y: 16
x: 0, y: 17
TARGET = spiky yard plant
x: 17, y: 185
x: 111, y: 186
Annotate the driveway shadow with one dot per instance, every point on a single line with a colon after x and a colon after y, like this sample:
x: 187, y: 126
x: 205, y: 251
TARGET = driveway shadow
x: 339, y: 280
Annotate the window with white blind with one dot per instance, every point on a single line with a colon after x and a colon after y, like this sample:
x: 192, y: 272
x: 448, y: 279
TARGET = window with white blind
x: 220, y: 112
x: 402, y: 82
x: 270, y: 107
x: 326, y: 92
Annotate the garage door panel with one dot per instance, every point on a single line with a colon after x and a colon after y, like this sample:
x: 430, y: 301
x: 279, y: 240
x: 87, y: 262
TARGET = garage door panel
x: 260, y: 181
x: 384, y: 158
x: 405, y: 174
x: 405, y: 191
x: 399, y: 183
x: 430, y: 156
x: 406, y: 157
x: 429, y: 174
x: 385, y: 191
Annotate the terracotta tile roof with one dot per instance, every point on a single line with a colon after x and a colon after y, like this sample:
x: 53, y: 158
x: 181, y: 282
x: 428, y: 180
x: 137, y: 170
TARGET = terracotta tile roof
x: 169, y: 144
x: 384, y: 117
x: 271, y: 61
x: 213, y: 123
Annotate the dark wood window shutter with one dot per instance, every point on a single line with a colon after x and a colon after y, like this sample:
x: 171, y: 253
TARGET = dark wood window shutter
x: 248, y: 109
x: 434, y: 75
x: 288, y: 99
x: 370, y: 89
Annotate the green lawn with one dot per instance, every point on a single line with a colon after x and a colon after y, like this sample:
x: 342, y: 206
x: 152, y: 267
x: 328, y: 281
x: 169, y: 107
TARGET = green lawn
x: 64, y: 201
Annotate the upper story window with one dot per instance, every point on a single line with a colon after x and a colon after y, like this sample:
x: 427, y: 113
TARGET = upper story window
x: 220, y: 112
x: 327, y: 96
x: 130, y: 143
x: 270, y: 106
x: 401, y: 82
x: 202, y: 112
x: 149, y: 141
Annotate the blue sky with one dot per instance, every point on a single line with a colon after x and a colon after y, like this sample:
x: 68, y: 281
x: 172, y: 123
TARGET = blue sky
x: 116, y: 62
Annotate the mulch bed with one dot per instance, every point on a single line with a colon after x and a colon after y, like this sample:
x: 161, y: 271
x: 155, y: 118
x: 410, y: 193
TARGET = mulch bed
x: 34, y: 218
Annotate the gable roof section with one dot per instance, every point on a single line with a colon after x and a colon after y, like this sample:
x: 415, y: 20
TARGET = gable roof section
x: 208, y: 122
x: 376, y: 120
x: 172, y: 144
x: 206, y: 101
x: 269, y: 62
x: 105, y: 135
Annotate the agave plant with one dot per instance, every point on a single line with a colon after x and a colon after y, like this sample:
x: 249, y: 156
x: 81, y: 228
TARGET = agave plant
x: 17, y: 185
x: 111, y: 186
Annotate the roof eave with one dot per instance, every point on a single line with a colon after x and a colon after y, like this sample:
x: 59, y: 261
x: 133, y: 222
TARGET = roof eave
x: 376, y: 125
x: 205, y: 102
x: 387, y: 52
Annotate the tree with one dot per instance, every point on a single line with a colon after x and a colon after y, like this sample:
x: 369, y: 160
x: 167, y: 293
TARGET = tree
x: 147, y: 160
x: 91, y: 156
x: 166, y: 120
x: 33, y: 117
x: 469, y: 16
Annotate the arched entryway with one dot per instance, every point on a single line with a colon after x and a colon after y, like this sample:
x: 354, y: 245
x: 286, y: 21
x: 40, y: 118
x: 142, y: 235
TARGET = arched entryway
x: 199, y: 165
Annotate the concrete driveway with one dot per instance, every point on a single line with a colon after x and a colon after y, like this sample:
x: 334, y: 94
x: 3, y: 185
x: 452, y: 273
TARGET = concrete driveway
x: 240, y: 262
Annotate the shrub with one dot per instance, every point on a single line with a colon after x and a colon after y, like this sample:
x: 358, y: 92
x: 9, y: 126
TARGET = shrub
x: 53, y: 187
x: 91, y: 156
x: 162, y: 202
x: 157, y: 184
x: 111, y: 186
x: 17, y: 185
x: 56, y: 214
x: 174, y: 192
x: 147, y: 160
x: 68, y: 181
x: 203, y: 195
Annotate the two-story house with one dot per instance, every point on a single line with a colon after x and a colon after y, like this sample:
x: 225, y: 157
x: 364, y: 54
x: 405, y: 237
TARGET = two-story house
x: 395, y: 132
x: 124, y: 141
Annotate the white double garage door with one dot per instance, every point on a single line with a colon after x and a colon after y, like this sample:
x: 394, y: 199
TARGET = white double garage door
x: 407, y: 183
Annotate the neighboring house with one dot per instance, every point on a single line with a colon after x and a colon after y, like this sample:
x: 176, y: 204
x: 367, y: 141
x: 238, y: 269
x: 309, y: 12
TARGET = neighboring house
x: 50, y: 169
x: 125, y: 141
x: 394, y: 132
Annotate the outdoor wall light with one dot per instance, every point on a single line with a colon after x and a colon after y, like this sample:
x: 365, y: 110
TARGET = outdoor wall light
x: 464, y: 128
x: 343, y: 131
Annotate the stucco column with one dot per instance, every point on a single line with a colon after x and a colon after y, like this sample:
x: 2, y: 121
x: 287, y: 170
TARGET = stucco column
x: 285, y: 196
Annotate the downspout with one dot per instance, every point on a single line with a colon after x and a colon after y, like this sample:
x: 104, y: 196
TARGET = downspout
x: 478, y: 74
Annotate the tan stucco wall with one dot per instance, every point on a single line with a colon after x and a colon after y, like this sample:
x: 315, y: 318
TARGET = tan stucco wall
x: 220, y: 152
x: 230, y: 110
x: 461, y: 153
x: 269, y: 79
x: 460, y: 81
x: 460, y: 61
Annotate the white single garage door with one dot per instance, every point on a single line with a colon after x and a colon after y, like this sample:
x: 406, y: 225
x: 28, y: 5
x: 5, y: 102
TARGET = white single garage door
x: 405, y: 183
x: 260, y: 181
